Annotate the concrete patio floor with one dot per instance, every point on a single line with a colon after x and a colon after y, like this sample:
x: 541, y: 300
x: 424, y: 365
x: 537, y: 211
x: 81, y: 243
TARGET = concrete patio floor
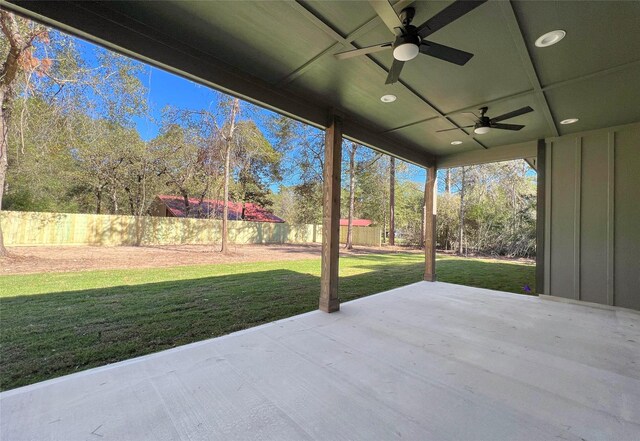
x: 427, y: 361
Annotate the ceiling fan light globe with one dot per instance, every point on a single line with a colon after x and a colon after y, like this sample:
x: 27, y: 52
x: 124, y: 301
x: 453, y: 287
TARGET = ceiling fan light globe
x: 481, y: 130
x: 406, y: 51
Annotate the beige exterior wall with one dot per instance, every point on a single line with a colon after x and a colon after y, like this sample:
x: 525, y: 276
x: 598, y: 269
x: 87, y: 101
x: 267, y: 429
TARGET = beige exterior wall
x: 593, y: 217
x: 27, y: 228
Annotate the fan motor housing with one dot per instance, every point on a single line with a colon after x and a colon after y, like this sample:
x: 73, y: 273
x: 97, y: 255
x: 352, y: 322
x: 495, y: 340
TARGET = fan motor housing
x: 410, y: 38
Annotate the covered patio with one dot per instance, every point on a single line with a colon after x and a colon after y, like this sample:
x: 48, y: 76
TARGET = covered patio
x: 430, y: 360
x: 488, y: 81
x: 425, y: 361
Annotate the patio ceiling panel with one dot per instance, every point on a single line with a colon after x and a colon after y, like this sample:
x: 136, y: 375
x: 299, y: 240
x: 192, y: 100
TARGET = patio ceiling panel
x: 601, y: 101
x: 440, y: 142
x: 224, y: 29
x: 351, y: 15
x: 357, y: 87
x: 600, y: 35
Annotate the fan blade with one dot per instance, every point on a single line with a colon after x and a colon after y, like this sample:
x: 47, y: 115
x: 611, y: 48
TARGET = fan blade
x: 512, y: 114
x: 445, y: 53
x: 394, y: 72
x: 507, y: 126
x: 447, y: 15
x: 388, y: 15
x: 363, y: 51
x: 475, y: 117
x: 457, y: 128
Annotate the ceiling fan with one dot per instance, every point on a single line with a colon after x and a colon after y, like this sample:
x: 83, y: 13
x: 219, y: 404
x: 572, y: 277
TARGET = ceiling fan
x: 410, y: 41
x: 484, y: 124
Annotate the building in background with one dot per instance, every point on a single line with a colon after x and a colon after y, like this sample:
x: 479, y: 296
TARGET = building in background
x: 174, y: 206
x: 356, y: 222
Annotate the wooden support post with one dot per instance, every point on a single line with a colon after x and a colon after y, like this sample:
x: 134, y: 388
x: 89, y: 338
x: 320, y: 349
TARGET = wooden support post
x: 430, y: 195
x: 329, y: 301
x: 541, y: 164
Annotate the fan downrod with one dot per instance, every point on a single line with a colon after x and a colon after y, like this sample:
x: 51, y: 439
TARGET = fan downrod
x: 406, y: 16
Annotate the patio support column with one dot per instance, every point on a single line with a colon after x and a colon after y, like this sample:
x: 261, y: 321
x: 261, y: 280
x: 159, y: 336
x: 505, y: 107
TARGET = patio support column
x: 430, y: 195
x: 541, y: 162
x: 329, y: 301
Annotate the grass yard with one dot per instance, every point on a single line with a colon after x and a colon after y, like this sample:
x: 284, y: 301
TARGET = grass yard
x: 58, y: 323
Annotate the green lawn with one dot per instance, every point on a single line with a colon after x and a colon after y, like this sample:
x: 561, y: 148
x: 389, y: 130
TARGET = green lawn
x: 55, y: 324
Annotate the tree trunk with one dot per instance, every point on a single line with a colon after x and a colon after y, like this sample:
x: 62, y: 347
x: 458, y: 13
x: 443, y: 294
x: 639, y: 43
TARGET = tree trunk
x: 227, y: 165
x: 447, y: 181
x: 461, y: 223
x: 132, y: 204
x: 392, y: 201
x: 114, y: 202
x: 98, y: 201
x: 185, y: 198
x: 424, y: 210
x: 3, y: 159
x: 8, y: 75
x: 384, y: 219
x: 225, y: 206
x: 352, y: 194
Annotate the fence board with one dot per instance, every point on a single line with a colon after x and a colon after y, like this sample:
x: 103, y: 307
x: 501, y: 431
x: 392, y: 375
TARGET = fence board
x: 22, y: 228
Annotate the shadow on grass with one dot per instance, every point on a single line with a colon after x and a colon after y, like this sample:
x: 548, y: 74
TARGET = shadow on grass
x: 49, y: 335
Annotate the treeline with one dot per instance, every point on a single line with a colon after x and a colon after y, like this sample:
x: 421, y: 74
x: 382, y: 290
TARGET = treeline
x: 488, y: 209
x: 485, y: 209
x: 71, y: 144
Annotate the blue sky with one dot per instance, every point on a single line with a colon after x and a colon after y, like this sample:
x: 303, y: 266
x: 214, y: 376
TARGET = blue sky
x: 165, y: 89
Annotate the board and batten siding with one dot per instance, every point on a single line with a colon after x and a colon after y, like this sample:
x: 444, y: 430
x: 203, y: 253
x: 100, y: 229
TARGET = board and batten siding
x: 593, y: 221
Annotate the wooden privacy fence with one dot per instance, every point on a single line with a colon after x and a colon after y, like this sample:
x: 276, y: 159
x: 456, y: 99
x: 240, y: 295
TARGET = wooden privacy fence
x: 22, y: 228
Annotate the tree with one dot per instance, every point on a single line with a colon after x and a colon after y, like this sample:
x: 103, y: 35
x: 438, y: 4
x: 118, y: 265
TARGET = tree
x: 139, y: 181
x: 107, y: 156
x: 447, y: 181
x: 256, y: 164
x: 54, y: 99
x: 463, y: 184
x: 228, y: 143
x: 352, y: 193
x: 42, y: 168
x: 303, y: 145
x: 423, y: 219
x: 360, y: 162
x: 177, y: 154
x: 308, y: 205
x: 18, y: 58
x: 371, y: 178
x: 247, y: 156
x: 492, y: 213
x: 392, y: 201
x: 284, y: 203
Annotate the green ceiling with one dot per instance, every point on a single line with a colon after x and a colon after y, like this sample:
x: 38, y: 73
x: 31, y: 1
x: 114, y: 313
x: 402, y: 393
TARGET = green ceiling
x: 281, y: 54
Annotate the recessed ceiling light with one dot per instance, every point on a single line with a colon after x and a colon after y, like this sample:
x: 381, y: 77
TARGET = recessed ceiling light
x: 388, y: 98
x: 550, y: 38
x: 456, y: 142
x: 569, y: 121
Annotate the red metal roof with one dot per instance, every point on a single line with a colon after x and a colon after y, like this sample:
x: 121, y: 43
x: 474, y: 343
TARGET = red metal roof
x: 356, y: 222
x: 214, y: 208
